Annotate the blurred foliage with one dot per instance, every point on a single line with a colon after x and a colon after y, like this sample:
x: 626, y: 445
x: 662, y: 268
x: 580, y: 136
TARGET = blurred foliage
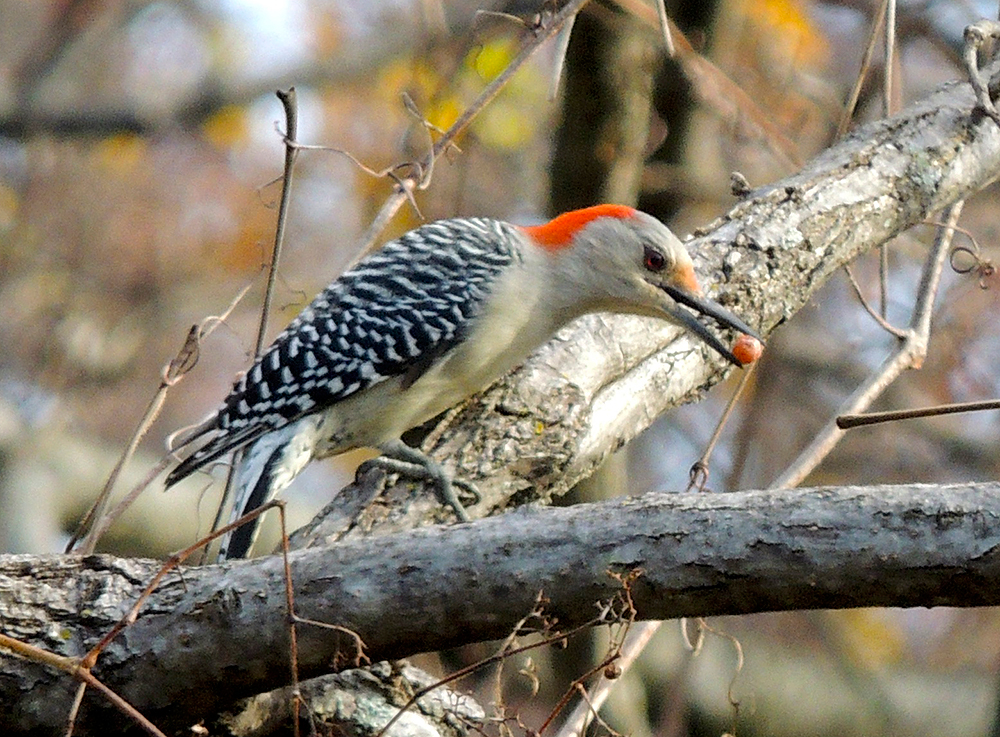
x: 138, y: 156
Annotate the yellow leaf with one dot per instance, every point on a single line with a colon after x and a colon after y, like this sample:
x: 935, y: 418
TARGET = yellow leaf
x: 226, y: 128
x: 492, y: 58
x: 504, y: 125
x: 870, y: 637
x: 120, y: 152
x: 788, y: 25
x: 444, y: 112
x: 9, y: 202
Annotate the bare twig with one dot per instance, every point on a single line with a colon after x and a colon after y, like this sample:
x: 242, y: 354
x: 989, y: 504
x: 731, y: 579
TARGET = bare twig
x: 593, y: 709
x: 698, y: 476
x: 171, y: 563
x: 694, y: 647
x: 738, y: 648
x: 609, y: 664
x: 94, y: 524
x: 121, y: 704
x: 289, y: 102
x: 89, y: 542
x: 638, y: 636
x: 463, y: 672
x: 293, y: 640
x: 866, y: 60
x: 909, y: 354
x: 78, y: 670
x: 577, y: 686
x: 105, y: 521
x: 984, y: 267
x: 511, y: 641
x: 668, y: 39
x: 976, y: 36
x: 562, y: 46
x: 719, y: 93
x: 846, y: 422
x: 890, y: 57
x: 880, y: 319
x: 424, y: 177
x: 883, y: 281
x: 887, y: 73
x: 74, y: 710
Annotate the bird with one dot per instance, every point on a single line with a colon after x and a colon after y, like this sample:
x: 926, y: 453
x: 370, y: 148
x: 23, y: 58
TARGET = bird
x: 428, y: 320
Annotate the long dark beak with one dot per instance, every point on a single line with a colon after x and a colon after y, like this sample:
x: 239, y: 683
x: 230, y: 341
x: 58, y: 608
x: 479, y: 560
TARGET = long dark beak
x: 712, y: 310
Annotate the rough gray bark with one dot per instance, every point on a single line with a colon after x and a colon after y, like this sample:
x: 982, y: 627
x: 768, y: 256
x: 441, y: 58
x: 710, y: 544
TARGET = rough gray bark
x: 213, y: 634
x: 359, y: 702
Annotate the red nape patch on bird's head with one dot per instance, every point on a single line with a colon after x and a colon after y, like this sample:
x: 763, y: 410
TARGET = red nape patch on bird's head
x: 559, y: 231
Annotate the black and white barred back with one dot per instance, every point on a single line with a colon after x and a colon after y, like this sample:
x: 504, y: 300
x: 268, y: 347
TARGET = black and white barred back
x: 391, y: 315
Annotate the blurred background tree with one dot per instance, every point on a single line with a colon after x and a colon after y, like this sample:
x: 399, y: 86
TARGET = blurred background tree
x: 138, y: 154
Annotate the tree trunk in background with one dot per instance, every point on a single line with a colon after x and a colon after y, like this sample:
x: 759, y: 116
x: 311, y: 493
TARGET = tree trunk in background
x: 673, y: 102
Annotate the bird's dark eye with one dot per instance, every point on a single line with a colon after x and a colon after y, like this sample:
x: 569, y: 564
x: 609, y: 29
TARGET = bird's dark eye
x: 653, y: 260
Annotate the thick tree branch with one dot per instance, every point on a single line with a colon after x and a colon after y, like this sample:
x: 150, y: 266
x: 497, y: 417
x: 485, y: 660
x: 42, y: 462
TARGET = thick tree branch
x: 606, y: 377
x: 212, y: 634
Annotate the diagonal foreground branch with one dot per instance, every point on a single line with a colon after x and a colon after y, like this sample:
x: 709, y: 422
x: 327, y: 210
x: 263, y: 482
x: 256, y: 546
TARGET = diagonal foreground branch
x: 606, y: 378
x: 215, y: 633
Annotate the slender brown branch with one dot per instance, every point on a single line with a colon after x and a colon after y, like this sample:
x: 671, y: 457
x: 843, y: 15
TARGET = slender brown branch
x: 845, y: 422
x: 121, y: 704
x: 890, y: 43
x: 699, y: 470
x: 175, y: 560
x: 866, y: 61
x: 89, y: 542
x: 635, y: 641
x: 976, y: 35
x: 94, y: 523
x: 293, y: 642
x: 890, y: 58
x: 872, y: 312
x: 289, y: 101
x: 78, y: 670
x: 628, y: 615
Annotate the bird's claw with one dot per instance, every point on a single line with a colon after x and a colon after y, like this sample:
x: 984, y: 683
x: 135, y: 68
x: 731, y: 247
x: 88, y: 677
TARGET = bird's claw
x: 471, y: 490
x: 414, y: 464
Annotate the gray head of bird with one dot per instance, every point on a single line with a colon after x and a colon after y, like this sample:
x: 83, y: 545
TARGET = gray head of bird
x: 626, y: 261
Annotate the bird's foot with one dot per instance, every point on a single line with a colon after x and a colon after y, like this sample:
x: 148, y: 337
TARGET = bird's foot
x: 410, y: 462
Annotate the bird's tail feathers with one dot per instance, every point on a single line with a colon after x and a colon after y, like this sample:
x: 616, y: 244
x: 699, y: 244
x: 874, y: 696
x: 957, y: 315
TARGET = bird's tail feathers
x: 186, y: 435
x: 215, y: 447
x: 267, y: 467
x: 238, y: 542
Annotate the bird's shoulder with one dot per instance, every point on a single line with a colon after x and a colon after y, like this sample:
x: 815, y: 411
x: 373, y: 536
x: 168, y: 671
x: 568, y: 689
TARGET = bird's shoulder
x: 389, y: 316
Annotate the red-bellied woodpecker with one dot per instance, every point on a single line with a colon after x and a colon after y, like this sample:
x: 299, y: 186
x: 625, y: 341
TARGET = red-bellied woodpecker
x: 432, y: 318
